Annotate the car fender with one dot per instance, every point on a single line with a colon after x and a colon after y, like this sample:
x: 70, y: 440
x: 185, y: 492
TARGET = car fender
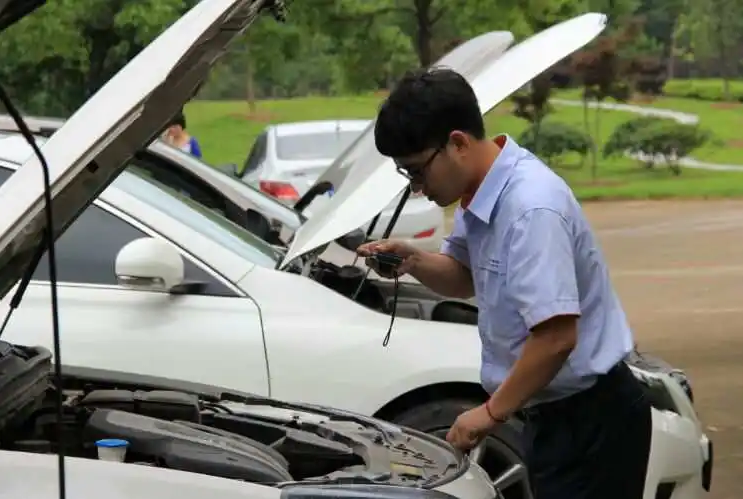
x: 325, y: 349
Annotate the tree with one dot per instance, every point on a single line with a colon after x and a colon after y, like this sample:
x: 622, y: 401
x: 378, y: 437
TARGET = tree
x: 59, y: 56
x: 604, y: 74
x: 714, y: 27
x: 430, y: 24
x: 532, y: 103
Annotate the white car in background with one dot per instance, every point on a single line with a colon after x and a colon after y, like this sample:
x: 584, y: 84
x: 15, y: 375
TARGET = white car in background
x: 286, y: 160
x: 153, y: 282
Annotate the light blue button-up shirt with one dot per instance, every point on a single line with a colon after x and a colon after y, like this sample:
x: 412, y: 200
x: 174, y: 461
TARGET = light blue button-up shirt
x: 533, y: 256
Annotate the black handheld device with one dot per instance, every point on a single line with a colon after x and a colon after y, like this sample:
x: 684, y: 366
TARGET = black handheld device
x: 387, y: 263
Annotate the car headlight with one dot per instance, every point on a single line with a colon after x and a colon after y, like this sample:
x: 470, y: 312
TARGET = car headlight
x: 683, y: 380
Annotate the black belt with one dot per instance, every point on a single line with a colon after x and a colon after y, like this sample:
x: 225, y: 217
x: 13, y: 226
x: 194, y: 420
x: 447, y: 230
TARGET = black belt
x: 545, y: 410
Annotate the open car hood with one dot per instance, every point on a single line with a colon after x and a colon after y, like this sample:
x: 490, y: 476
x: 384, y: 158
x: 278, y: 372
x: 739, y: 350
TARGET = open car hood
x: 373, y: 182
x: 127, y: 113
x: 469, y: 58
x: 12, y: 11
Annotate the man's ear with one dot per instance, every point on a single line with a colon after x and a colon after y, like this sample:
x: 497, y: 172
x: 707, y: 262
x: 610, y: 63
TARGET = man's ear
x: 459, y: 140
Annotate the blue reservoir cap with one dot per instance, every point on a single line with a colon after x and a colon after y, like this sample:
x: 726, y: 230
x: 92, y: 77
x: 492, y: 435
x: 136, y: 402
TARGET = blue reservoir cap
x: 112, y: 442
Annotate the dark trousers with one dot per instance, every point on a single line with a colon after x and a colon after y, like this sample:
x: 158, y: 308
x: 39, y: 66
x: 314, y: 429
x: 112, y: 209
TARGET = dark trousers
x: 592, y: 445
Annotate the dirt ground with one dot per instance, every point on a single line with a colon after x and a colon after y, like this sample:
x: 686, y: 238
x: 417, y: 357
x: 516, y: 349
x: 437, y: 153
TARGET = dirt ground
x: 678, y: 267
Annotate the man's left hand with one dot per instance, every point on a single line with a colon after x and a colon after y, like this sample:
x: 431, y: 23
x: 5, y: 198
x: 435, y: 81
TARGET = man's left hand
x: 470, y: 428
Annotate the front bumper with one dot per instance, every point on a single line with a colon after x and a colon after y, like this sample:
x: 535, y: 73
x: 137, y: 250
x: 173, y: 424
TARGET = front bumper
x: 473, y: 484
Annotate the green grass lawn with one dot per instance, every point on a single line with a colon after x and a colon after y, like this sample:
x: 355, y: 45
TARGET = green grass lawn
x: 725, y: 120
x: 226, y: 131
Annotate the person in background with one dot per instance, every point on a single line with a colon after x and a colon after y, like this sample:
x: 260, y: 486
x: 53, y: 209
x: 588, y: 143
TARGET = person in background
x: 177, y: 136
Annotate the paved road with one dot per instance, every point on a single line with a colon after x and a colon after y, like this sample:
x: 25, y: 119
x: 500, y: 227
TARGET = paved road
x: 678, y: 267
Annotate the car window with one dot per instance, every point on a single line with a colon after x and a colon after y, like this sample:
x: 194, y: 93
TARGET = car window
x: 257, y: 154
x: 80, y: 261
x: 86, y: 252
x: 181, y: 180
x: 199, y: 218
x: 192, y: 177
x: 308, y: 146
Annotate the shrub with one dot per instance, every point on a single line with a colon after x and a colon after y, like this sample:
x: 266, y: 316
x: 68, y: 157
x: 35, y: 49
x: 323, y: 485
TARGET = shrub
x: 649, y: 75
x: 667, y: 141
x: 707, y: 89
x: 623, y: 137
x: 550, y: 140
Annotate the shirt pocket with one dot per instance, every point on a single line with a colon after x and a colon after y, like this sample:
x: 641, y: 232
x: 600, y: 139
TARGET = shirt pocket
x: 490, y: 280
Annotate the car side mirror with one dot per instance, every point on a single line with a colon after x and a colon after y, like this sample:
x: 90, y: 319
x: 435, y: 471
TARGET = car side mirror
x: 150, y: 264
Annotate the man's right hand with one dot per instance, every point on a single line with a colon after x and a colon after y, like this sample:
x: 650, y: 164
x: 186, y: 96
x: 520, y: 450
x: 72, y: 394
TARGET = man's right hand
x: 438, y: 272
x: 402, y: 249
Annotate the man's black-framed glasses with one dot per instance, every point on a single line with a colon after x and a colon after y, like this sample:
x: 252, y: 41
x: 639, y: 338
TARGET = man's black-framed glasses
x: 414, y: 173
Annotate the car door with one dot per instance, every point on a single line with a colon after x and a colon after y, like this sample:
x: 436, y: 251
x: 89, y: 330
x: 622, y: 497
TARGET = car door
x: 214, y: 336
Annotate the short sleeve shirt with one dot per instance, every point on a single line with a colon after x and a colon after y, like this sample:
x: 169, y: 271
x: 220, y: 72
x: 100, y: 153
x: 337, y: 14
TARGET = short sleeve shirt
x: 533, y: 256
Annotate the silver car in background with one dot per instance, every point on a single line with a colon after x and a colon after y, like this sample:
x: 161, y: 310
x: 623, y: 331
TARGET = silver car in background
x: 286, y: 160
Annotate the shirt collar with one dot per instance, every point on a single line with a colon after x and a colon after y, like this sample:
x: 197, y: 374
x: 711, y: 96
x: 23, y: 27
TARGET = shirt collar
x: 486, y: 196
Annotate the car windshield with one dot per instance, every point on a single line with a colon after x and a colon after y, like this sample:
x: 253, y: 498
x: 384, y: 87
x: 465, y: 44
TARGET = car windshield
x: 315, y: 145
x: 250, y: 192
x: 137, y: 183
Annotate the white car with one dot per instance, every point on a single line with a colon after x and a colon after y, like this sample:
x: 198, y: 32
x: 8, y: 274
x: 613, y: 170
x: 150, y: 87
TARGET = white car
x: 181, y: 268
x: 163, y: 439
x: 286, y: 160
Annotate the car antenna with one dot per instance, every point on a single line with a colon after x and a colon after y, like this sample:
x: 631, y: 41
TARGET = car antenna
x: 387, y: 231
x: 47, y: 243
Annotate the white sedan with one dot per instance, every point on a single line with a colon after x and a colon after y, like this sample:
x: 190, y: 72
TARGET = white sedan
x: 161, y: 438
x: 182, y: 269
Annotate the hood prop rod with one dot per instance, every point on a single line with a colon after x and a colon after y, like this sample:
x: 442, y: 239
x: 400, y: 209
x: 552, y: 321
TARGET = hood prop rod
x: 390, y: 225
x: 398, y: 209
x: 373, y: 225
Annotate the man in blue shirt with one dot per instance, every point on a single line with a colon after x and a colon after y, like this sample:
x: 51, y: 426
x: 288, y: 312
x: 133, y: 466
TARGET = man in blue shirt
x: 553, y: 332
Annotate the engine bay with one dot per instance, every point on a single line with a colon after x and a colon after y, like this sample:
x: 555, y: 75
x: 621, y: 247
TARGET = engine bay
x: 251, y: 439
x: 414, y: 301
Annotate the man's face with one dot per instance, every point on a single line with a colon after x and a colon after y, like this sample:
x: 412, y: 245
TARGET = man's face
x: 441, y: 173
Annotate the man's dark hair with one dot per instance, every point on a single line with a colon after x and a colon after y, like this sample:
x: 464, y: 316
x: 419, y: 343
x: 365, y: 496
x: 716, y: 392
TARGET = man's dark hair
x: 422, y: 110
x: 178, y: 119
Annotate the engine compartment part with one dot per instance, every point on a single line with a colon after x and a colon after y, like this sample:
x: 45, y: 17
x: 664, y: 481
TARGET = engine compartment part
x: 157, y: 404
x: 413, y: 301
x: 189, y: 446
x: 227, y: 435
